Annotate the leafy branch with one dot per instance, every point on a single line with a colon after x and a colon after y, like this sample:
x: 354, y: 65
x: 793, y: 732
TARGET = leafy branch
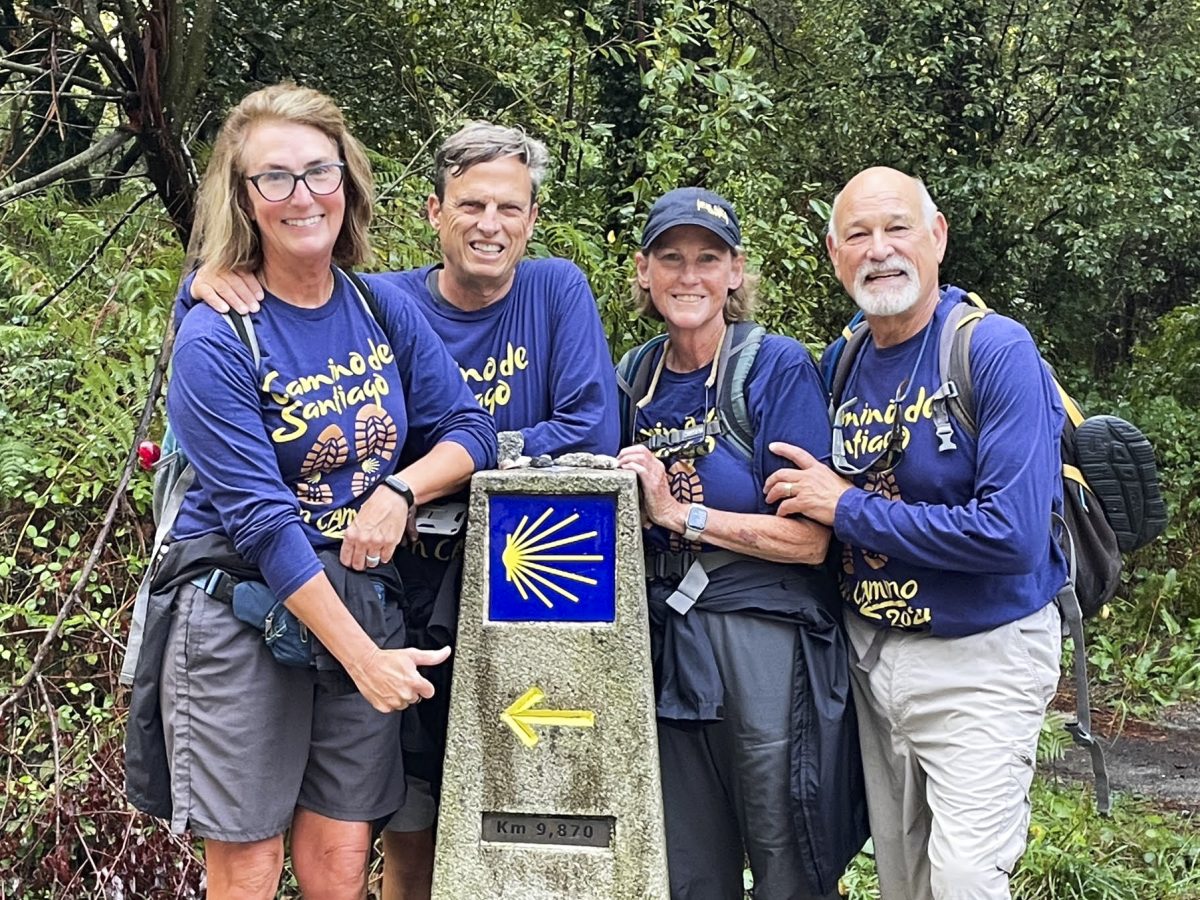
x: 96, y: 251
x: 106, y: 525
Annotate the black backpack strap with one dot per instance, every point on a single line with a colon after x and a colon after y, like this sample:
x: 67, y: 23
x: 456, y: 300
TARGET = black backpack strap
x: 633, y: 380
x: 1081, y: 729
x: 737, y: 355
x: 833, y: 351
x: 243, y: 327
x: 365, y: 294
x: 849, y: 351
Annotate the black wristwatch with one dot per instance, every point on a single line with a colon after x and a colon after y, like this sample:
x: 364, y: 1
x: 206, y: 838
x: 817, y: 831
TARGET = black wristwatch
x: 400, y: 486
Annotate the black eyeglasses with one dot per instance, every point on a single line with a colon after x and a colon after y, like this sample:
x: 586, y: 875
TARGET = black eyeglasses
x: 885, y: 461
x: 278, y: 185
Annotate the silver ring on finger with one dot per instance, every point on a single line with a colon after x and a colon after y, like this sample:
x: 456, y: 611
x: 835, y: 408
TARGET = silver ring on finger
x: 790, y: 488
x: 372, y: 560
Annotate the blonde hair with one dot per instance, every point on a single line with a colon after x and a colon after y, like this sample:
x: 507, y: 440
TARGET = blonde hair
x: 739, y: 305
x: 226, y: 236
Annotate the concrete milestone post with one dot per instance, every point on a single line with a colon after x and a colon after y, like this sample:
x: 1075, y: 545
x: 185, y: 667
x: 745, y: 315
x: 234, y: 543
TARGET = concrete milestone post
x: 552, y: 784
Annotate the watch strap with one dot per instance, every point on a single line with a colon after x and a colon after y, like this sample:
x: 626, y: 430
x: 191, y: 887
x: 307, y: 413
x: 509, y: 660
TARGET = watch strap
x: 697, y: 519
x: 400, y: 486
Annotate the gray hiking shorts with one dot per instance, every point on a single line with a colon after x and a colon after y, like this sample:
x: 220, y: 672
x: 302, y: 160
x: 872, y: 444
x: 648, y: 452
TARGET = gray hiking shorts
x: 249, y: 740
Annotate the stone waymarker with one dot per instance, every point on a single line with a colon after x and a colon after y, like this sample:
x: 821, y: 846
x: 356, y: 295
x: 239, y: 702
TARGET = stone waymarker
x: 551, y: 782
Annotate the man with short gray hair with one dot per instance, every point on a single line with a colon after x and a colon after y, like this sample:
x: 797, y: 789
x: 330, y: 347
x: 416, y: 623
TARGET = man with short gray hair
x: 948, y: 568
x: 480, y: 141
x: 527, y: 336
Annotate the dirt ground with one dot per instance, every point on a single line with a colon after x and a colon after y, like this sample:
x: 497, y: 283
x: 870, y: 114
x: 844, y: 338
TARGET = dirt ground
x: 1158, y: 760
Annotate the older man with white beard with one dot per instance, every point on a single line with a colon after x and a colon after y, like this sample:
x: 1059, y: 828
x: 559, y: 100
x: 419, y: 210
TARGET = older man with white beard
x: 947, y: 568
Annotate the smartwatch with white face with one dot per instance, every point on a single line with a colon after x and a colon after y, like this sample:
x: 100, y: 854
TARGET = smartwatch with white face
x: 697, y: 518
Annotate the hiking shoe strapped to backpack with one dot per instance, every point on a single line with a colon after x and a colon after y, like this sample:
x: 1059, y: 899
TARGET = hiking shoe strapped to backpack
x: 1117, y: 462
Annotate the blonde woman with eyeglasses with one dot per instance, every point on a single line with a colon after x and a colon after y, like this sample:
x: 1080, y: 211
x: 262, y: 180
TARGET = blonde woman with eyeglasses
x: 300, y: 486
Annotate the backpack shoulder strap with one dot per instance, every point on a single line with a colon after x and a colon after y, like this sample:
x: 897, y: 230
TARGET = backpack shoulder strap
x: 633, y: 380
x: 365, y: 294
x: 954, y: 360
x: 832, y: 354
x: 243, y: 327
x: 738, y: 352
x: 839, y: 359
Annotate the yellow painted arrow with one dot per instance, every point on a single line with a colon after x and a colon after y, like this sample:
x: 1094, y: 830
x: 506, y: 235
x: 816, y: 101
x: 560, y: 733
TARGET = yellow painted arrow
x: 520, y: 718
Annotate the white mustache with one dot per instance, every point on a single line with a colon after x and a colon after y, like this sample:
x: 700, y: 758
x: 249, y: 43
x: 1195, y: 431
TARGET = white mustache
x: 892, y: 263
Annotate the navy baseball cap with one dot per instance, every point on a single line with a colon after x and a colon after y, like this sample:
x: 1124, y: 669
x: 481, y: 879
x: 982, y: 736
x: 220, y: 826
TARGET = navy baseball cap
x: 692, y: 206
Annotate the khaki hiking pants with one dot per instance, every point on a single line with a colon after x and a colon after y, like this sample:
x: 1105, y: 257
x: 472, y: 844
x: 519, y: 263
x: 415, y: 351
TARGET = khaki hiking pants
x: 949, y: 730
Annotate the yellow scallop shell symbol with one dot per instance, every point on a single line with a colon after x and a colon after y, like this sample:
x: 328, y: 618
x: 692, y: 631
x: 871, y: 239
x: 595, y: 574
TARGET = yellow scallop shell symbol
x: 525, y: 558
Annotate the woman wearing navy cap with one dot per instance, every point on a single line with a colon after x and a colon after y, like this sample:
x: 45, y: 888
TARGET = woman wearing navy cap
x: 757, y: 735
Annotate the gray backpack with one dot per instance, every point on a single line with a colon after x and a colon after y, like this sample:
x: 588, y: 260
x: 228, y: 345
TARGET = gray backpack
x: 735, y: 359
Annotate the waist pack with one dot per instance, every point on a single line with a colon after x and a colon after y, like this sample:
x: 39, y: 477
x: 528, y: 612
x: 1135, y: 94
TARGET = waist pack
x: 1111, y: 498
x: 285, y: 636
x: 255, y: 604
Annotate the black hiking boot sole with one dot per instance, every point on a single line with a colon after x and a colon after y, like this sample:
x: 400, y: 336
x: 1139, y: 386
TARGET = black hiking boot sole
x: 1118, y: 463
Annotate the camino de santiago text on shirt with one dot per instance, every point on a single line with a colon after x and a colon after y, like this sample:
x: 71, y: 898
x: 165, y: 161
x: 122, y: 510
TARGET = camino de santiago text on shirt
x: 492, y: 382
x: 968, y: 547
x: 355, y: 434
x: 535, y: 359
x: 867, y: 583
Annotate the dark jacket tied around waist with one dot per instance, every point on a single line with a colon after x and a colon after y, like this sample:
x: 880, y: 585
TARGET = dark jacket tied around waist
x: 828, y: 803
x: 147, y: 779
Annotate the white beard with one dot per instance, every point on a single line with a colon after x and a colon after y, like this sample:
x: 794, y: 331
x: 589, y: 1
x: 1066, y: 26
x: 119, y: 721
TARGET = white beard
x: 886, y: 301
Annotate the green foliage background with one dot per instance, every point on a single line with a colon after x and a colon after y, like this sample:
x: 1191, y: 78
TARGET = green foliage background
x: 1060, y: 140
